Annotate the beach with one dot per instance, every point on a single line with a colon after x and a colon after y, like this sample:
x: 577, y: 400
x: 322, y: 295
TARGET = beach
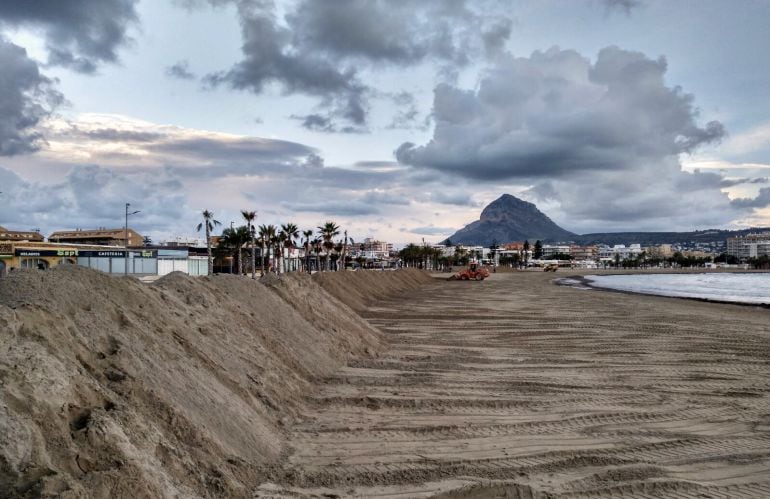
x: 516, y: 387
x: 376, y: 384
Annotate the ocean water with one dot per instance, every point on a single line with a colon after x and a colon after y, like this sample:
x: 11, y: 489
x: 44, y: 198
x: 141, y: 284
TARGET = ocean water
x: 739, y: 288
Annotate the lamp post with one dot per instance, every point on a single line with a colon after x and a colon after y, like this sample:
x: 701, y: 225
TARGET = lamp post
x: 125, y: 235
x: 232, y: 228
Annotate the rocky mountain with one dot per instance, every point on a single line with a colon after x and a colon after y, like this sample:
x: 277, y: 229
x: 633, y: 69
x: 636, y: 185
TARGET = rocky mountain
x: 509, y: 219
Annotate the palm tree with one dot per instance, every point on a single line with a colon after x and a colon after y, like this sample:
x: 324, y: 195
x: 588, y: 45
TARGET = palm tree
x: 280, y: 242
x: 292, y: 232
x: 250, y: 216
x: 232, y: 242
x: 266, y: 235
x: 328, y: 231
x: 317, y: 248
x: 344, y: 250
x: 307, y: 234
x: 209, y: 223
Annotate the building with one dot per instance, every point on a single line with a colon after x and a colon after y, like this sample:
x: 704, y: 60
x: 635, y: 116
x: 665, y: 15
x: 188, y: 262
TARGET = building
x: 749, y: 246
x: 99, y: 237
x: 20, y: 235
x: 659, y: 252
x: 110, y: 259
x: 377, y: 249
x: 620, y: 252
x: 192, y: 261
x: 552, y: 249
x: 584, y: 253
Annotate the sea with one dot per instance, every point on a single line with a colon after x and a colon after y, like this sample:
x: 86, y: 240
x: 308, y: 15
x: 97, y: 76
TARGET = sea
x: 751, y: 288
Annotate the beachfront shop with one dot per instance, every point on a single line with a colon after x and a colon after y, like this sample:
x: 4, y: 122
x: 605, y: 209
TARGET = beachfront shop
x: 111, y: 260
x: 44, y: 256
x: 6, y: 254
x: 175, y: 260
x: 39, y: 258
x: 140, y: 262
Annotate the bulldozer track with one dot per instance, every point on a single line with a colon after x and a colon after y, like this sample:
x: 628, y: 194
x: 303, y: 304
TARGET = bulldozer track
x: 495, y: 392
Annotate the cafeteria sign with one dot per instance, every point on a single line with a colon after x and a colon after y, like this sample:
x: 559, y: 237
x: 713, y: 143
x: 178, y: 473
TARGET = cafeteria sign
x: 36, y: 253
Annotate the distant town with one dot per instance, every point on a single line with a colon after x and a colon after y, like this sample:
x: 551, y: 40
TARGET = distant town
x: 250, y: 250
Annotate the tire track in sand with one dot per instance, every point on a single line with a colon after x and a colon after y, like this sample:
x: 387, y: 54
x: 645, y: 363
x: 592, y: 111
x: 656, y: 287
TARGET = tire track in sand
x: 517, y: 386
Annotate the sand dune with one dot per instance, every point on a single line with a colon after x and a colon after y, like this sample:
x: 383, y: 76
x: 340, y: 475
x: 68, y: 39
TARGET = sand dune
x: 376, y: 384
x: 183, y: 388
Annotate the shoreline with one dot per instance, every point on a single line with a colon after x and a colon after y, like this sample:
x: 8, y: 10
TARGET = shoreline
x: 588, y: 284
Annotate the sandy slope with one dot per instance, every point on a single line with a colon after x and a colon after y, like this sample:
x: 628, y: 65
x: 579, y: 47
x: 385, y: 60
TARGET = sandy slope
x: 511, y: 387
x: 515, y: 387
x: 182, y: 388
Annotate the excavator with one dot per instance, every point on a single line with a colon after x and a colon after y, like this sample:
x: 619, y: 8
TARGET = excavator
x: 474, y: 272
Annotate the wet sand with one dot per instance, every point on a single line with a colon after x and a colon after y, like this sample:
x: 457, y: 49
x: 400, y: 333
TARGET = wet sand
x: 516, y: 387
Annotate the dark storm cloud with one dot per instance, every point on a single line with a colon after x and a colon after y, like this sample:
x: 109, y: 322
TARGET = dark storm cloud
x: 377, y: 164
x: 556, y: 114
x: 318, y: 48
x: 230, y: 151
x: 26, y: 97
x: 731, y: 182
x: 319, y: 123
x: 113, y: 135
x: 94, y: 197
x: 497, y: 35
x: 407, y: 114
x: 453, y: 198
x: 338, y: 208
x: 80, y: 34
x: 402, y: 33
x: 651, y: 197
x: 761, y: 201
x: 180, y: 70
x: 598, y: 142
x: 385, y: 197
x: 269, y: 58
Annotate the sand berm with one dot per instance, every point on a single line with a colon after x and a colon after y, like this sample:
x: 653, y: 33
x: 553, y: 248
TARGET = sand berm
x: 186, y: 387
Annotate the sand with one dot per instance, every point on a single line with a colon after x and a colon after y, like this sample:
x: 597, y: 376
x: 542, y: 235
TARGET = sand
x: 388, y: 384
x: 515, y: 387
x: 181, y: 388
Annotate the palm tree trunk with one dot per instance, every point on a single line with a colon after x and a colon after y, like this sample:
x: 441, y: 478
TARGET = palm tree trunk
x: 208, y: 248
x: 262, y: 258
x: 280, y: 259
x: 253, y: 255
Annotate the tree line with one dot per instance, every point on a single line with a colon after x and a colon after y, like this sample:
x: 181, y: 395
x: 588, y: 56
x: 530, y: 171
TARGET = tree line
x: 272, y: 241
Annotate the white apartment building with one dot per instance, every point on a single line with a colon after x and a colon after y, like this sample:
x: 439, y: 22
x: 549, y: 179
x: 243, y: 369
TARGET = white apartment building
x: 750, y: 246
x: 621, y: 250
x: 551, y: 249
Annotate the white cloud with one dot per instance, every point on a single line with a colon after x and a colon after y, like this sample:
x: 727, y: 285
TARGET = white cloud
x: 753, y: 140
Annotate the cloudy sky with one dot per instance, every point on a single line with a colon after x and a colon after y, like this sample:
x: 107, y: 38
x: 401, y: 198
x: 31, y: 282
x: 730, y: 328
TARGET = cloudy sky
x: 397, y: 119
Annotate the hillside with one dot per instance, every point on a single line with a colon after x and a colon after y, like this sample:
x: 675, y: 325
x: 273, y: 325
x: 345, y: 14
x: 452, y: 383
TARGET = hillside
x: 508, y: 219
x: 654, y: 238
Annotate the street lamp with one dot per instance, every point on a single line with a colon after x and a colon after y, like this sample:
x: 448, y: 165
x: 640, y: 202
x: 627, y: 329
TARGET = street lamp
x: 125, y: 235
x: 231, y: 256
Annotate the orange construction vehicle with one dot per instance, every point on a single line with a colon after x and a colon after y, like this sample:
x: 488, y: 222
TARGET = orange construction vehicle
x: 474, y: 272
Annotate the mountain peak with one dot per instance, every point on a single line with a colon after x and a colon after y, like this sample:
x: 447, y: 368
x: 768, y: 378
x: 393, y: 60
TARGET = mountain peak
x: 505, y: 204
x: 508, y: 219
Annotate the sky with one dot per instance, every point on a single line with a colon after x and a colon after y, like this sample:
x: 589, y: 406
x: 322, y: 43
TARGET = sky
x: 398, y: 120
